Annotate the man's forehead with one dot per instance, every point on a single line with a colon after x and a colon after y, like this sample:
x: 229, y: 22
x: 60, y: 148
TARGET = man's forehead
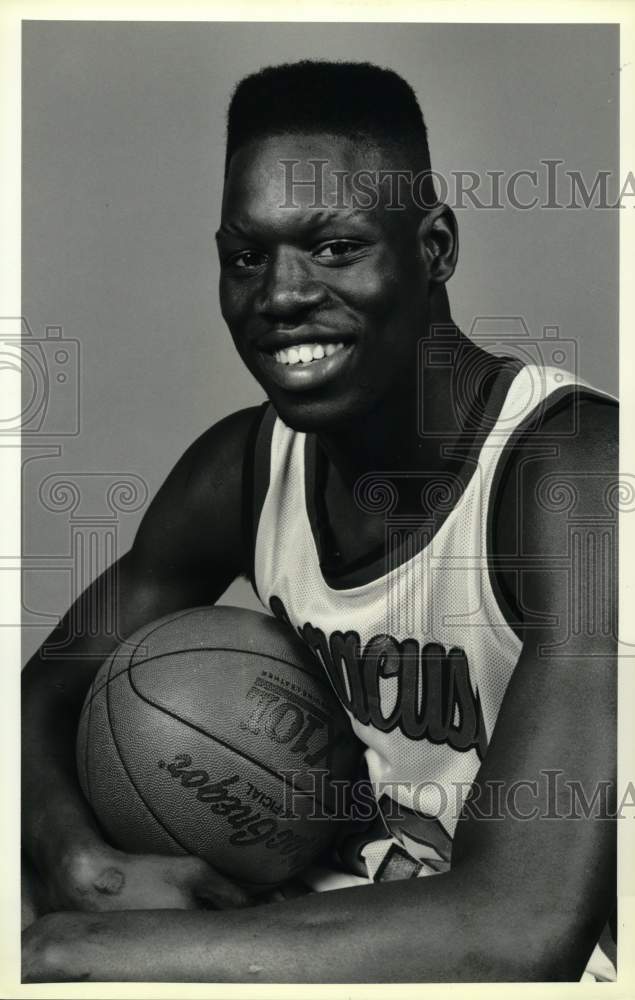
x: 309, y: 172
x: 344, y: 152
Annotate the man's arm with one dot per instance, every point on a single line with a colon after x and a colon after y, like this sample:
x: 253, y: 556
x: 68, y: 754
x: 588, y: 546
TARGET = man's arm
x: 188, y: 549
x: 526, y: 898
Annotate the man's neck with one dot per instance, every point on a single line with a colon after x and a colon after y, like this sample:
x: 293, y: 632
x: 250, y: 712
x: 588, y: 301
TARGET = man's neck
x: 420, y: 425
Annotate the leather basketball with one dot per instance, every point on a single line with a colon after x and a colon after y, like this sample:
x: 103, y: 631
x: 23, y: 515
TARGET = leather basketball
x: 215, y: 732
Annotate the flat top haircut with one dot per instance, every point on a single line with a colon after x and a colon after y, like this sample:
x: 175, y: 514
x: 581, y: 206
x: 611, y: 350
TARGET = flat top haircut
x: 359, y: 100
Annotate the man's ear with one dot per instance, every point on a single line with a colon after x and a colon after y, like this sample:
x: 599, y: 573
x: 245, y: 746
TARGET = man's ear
x: 439, y: 241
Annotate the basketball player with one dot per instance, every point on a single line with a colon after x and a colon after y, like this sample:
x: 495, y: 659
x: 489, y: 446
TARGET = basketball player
x: 477, y: 654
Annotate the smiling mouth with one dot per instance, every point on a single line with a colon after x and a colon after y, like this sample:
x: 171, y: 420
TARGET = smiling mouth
x: 306, y: 365
x: 306, y: 354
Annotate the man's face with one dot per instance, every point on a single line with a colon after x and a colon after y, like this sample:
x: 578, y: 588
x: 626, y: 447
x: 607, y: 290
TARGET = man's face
x: 325, y: 304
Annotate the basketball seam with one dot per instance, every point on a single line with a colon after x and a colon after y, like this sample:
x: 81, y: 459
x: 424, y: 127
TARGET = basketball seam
x: 141, y: 798
x: 206, y: 649
x: 87, y: 780
x: 213, y: 736
x: 131, y: 779
x: 158, y: 625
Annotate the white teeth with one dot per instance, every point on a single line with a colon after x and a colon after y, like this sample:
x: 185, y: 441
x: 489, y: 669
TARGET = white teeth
x: 305, y: 354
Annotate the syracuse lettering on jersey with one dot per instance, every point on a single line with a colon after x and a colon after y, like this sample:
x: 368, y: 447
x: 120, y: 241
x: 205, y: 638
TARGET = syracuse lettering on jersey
x: 435, y: 700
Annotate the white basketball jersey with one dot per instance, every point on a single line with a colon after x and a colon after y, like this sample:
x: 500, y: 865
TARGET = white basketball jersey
x: 421, y: 655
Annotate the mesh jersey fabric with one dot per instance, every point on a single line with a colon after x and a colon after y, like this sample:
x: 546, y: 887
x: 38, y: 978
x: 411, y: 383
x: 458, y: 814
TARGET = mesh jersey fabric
x: 421, y: 655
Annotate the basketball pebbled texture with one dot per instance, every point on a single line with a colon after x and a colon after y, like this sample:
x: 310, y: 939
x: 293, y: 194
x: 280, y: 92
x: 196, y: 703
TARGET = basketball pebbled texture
x: 185, y: 733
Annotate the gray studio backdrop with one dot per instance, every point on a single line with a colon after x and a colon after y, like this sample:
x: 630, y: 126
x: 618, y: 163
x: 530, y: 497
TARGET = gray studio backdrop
x: 123, y: 144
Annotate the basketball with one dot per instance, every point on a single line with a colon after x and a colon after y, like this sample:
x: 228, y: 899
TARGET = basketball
x: 215, y: 732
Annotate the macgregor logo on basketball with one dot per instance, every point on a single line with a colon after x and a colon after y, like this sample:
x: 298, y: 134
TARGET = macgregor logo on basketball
x: 250, y: 826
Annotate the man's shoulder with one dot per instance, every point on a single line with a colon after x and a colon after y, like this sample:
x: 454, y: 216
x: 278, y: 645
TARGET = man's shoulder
x: 558, y: 469
x: 579, y: 433
x: 576, y: 428
x: 197, y: 513
x: 224, y: 440
x: 582, y: 416
x: 217, y: 457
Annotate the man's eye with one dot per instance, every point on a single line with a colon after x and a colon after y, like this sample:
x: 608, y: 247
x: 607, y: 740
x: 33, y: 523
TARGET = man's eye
x: 337, y: 248
x: 246, y: 259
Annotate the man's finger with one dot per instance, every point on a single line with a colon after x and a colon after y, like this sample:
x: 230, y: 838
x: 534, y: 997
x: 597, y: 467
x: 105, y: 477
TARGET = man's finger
x: 220, y: 892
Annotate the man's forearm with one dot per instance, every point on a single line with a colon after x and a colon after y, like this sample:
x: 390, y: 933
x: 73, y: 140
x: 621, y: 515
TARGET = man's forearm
x: 422, y: 930
x: 56, y: 817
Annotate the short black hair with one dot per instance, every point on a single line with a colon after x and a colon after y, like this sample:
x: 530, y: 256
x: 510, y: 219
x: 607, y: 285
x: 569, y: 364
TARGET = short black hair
x: 358, y: 100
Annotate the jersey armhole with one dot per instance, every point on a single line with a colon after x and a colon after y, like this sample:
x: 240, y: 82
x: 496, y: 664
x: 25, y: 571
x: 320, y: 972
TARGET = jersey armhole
x: 554, y: 404
x: 256, y: 471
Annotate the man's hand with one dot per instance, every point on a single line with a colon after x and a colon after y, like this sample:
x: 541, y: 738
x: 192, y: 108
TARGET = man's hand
x: 111, y: 880
x: 137, y: 946
x: 58, y: 948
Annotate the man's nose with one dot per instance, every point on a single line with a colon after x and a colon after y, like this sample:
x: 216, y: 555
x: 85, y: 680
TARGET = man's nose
x: 290, y: 289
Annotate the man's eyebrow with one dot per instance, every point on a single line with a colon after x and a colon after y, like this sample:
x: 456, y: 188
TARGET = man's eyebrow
x: 312, y: 219
x: 226, y: 230
x: 323, y: 216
